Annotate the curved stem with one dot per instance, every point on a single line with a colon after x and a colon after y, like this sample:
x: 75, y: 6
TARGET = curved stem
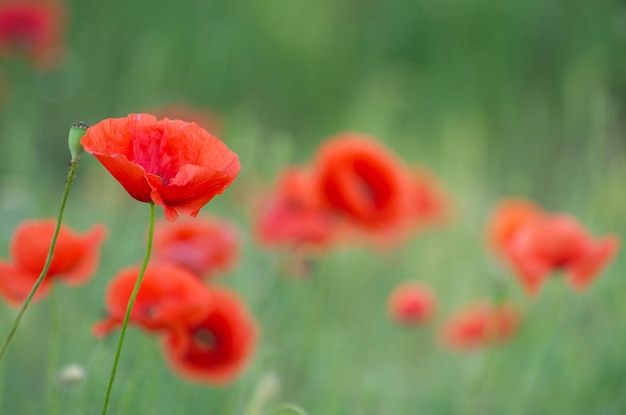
x: 129, y: 309
x: 68, y: 184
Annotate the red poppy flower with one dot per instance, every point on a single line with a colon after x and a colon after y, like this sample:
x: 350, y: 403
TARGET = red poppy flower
x: 481, y: 324
x: 205, y: 246
x: 411, y: 303
x: 175, y: 164
x: 216, y: 349
x: 537, y: 244
x: 363, y: 180
x: 33, y: 27
x: 559, y: 242
x: 75, y: 258
x: 294, y: 214
x: 206, y: 119
x: 169, y: 295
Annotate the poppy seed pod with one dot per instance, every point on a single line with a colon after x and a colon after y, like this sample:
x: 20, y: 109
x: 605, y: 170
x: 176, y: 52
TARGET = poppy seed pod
x: 77, y: 131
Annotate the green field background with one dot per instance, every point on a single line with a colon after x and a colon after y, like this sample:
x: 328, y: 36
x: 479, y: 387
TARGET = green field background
x: 497, y: 98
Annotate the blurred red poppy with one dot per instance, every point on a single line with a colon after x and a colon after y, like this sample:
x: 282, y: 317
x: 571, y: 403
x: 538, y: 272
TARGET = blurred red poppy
x: 205, y: 118
x: 205, y: 246
x: 293, y: 214
x: 216, y: 349
x: 169, y: 295
x: 411, y: 303
x: 361, y: 179
x: 32, y: 27
x: 537, y: 244
x: 479, y: 325
x: 175, y: 164
x: 75, y: 259
x: 559, y: 242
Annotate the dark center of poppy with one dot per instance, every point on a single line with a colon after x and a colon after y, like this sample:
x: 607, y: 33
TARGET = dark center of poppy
x: 372, y: 184
x: 164, y: 181
x: 204, y: 339
x: 149, y: 311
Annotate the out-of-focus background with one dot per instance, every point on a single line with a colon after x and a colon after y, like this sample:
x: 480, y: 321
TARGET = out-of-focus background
x: 498, y: 98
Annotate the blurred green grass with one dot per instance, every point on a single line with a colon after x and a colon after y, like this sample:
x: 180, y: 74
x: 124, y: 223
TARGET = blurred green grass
x: 498, y: 98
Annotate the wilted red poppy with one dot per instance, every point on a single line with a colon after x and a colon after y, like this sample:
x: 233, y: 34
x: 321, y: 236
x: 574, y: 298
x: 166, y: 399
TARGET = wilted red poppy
x: 169, y: 295
x: 173, y: 163
x: 205, y: 246
x: 481, y: 324
x: 411, y: 303
x: 215, y: 350
x: 205, y: 118
x: 75, y: 258
x: 559, y: 242
x: 293, y: 213
x: 361, y: 179
x: 32, y: 27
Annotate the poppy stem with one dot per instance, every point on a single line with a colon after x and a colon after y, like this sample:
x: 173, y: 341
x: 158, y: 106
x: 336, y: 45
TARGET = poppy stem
x: 539, y: 360
x: 53, y: 354
x: 480, y: 385
x: 68, y: 184
x: 129, y: 309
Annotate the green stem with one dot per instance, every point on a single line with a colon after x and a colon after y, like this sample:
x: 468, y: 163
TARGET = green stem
x: 538, y: 363
x: 68, y: 184
x: 129, y: 309
x: 483, y: 380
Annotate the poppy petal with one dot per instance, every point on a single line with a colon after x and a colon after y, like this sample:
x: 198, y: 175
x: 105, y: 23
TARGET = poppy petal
x: 507, y: 219
x: 584, y: 270
x: 169, y: 295
x: 191, y: 189
x: 362, y: 179
x: 216, y: 349
x: 89, y: 259
x: 530, y: 271
x: 205, y: 246
x: 411, y: 303
x: 130, y: 175
x: 31, y: 242
x: 480, y: 324
x: 105, y: 327
x: 16, y: 283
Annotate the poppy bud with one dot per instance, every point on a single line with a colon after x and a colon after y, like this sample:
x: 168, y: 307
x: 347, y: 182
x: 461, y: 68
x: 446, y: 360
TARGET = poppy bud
x: 77, y: 131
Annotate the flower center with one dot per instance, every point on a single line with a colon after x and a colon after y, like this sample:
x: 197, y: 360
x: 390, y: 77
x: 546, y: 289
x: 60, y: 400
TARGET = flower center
x: 205, y: 339
x: 164, y: 181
